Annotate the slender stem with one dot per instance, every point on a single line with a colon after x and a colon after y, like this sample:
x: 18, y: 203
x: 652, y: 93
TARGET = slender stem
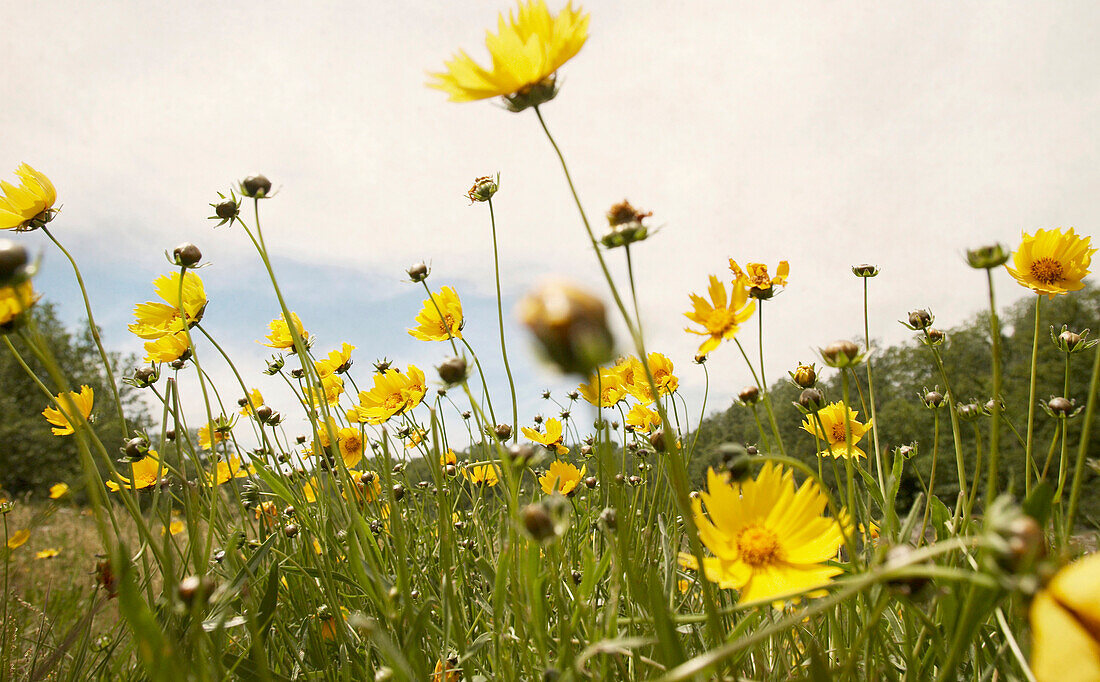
x: 871, y: 388
x: 995, y: 422
x: 1082, y: 448
x: 763, y: 380
x: 500, y: 322
x: 1028, y: 450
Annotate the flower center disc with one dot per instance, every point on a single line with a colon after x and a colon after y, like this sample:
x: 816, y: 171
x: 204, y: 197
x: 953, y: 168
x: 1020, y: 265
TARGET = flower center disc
x: 1046, y: 270
x: 838, y: 435
x: 758, y: 546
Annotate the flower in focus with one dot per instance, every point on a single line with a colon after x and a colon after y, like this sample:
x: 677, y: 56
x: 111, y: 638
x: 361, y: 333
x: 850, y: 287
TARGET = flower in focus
x: 15, y: 300
x: 168, y: 348
x: 59, y: 490
x: 432, y: 326
x: 1052, y: 262
x: 526, y: 51
x: 552, y: 439
x: 30, y: 205
x: 833, y: 421
x: 604, y: 389
x: 82, y: 402
x: 755, y: 277
x: 642, y: 419
x: 634, y: 379
x: 767, y: 539
x: 482, y: 474
x: 280, y: 337
x: 561, y: 477
x: 48, y: 553
x: 1065, y: 624
x: 145, y: 472
x: 224, y: 470
x: 18, y: 538
x: 350, y: 442
x: 720, y: 317
x: 338, y: 361
x: 254, y: 400
x: 393, y: 393
x: 153, y: 320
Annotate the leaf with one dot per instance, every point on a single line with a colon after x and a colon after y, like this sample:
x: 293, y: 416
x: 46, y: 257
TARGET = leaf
x: 1038, y: 504
x: 270, y: 601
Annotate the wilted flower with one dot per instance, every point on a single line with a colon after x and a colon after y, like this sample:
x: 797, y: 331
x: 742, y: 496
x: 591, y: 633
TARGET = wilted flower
x: 484, y: 188
x: 30, y: 205
x: 1052, y: 262
x: 755, y: 276
x: 719, y: 317
x: 433, y: 327
x: 624, y: 225
x: 81, y: 402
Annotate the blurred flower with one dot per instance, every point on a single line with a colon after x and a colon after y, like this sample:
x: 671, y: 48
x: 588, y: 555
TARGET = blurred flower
x: 562, y: 477
x: 624, y: 225
x: 482, y: 474
x: 59, y: 490
x: 767, y: 539
x: 168, y: 348
x: 552, y: 439
x: 1052, y: 262
x: 254, y: 400
x: 526, y: 52
x: 832, y: 418
x: 447, y: 671
x: 153, y: 320
x: 633, y: 377
x: 642, y: 419
x: 755, y: 277
x: 28, y: 206
x: 14, y: 300
x: 1065, y: 624
x: 720, y: 317
x: 448, y: 457
x: 393, y: 393
x: 18, y: 538
x: 145, y: 472
x: 432, y: 326
x: 48, y: 553
x: 605, y: 388
x: 82, y: 402
x: 175, y: 527
x: 225, y: 469
x: 280, y: 336
x: 570, y: 324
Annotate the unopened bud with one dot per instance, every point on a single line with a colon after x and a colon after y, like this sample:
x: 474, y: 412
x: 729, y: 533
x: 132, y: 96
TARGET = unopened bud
x: 590, y: 482
x: 804, y: 375
x: 503, y: 431
x: 570, y: 325
x: 920, y: 319
x: 255, y: 186
x: 418, y: 272
x: 749, y: 395
x: 840, y: 354
x: 187, y: 255
x: 453, y: 370
x: 812, y: 399
x: 1060, y: 406
x: 657, y: 440
x: 538, y: 523
x: 864, y: 270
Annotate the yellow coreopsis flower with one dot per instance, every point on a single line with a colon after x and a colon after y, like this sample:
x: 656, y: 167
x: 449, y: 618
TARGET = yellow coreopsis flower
x: 833, y: 421
x: 448, y: 457
x: 642, y: 419
x: 280, y: 337
x: 175, y: 527
x: 393, y: 393
x: 719, y: 317
x: 432, y: 326
x: 1065, y: 624
x: 30, y: 205
x: 18, y: 538
x: 48, y: 553
x: 561, y: 477
x: 766, y: 538
x: 81, y: 401
x: 167, y: 348
x: 338, y: 361
x: 248, y: 404
x: 14, y: 300
x: 333, y: 387
x: 482, y: 474
x: 153, y: 320
x: 605, y: 389
x: 634, y: 378
x: 220, y: 436
x: 756, y: 278
x: 145, y: 472
x: 59, y: 490
x: 224, y: 470
x: 552, y: 439
x: 446, y: 671
x: 526, y: 51
x: 350, y: 442
x: 1052, y: 262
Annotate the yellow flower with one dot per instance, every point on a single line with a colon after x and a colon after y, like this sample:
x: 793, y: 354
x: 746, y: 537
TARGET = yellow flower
x: 393, y: 393
x: 333, y: 387
x: 338, y: 361
x: 562, y: 477
x: 833, y: 421
x: 1052, y: 262
x: 224, y: 470
x: 756, y: 276
x: 175, y: 527
x: 448, y: 457
x: 767, y: 539
x: 482, y: 474
x: 280, y: 337
x: 552, y: 439
x: 18, y: 538
x: 642, y: 419
x: 1065, y: 624
x: 47, y: 553
x: 720, y: 318
x: 14, y: 300
x: 350, y: 442
x: 634, y: 380
x: 167, y: 348
x: 28, y: 206
x: 59, y: 490
x: 526, y: 51
x: 145, y: 472
x: 364, y: 491
x: 153, y: 320
x: 254, y: 400
x: 220, y: 435
x: 82, y: 402
x: 447, y: 671
x: 605, y: 388
x: 683, y: 585
x: 432, y: 326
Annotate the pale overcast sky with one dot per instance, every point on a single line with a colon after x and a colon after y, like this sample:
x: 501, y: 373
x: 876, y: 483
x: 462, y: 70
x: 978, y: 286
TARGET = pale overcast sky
x: 825, y: 133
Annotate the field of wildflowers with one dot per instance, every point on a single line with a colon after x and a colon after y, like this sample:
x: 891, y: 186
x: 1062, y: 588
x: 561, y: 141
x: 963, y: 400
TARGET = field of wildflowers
x: 421, y: 531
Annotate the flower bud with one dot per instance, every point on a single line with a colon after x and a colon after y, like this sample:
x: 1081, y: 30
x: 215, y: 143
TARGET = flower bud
x: 920, y: 320
x: 1070, y: 339
x: 453, y: 370
x: 841, y: 354
x: 749, y: 395
x: 805, y: 376
x: 634, y: 480
x: 935, y: 336
x: 968, y: 411
x: 484, y: 188
x: 418, y: 272
x: 590, y: 482
x: 186, y: 255
x: 578, y: 577
x: 752, y: 450
x: 1060, y: 406
x: 398, y: 492
x: 610, y: 518
x: 290, y: 530
x: 538, y: 523
x: 570, y: 326
x: 502, y: 431
x: 263, y: 413
x: 657, y: 440
x: 135, y: 448
x: 811, y: 399
x: 144, y: 377
x: 13, y: 261
x: 194, y: 588
x: 227, y: 210
x: 256, y: 187
x: 864, y: 270
x: 987, y: 257
x: 932, y: 399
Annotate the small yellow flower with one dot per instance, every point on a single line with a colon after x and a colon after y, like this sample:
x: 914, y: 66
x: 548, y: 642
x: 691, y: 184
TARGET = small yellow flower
x: 683, y: 585
x: 220, y: 436
x: 145, y: 472
x: 1052, y: 262
x: 30, y: 205
x: 605, y: 389
x: 447, y: 671
x: 365, y: 492
x: 14, y: 300
x: 642, y: 419
x: 526, y: 51
x: 755, y: 276
x: 833, y: 421
x: 1065, y: 624
x: 175, y: 527
x: 448, y: 457
x: 720, y: 318
x: 153, y: 320
x: 59, y: 490
x: 350, y: 442
x: 333, y: 387
x: 338, y: 361
x: 167, y: 348
x: 561, y: 477
x: 432, y: 326
x: 47, y: 553
x: 552, y: 439
x: 767, y: 539
x: 18, y: 538
x: 280, y: 337
x: 482, y: 474
x: 82, y: 402
x: 393, y: 393
x: 225, y: 469
x: 254, y: 400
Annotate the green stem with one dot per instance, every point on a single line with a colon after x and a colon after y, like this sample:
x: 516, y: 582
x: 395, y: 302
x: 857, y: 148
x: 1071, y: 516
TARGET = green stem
x: 995, y: 422
x: 1082, y: 448
x: 500, y: 322
x: 871, y: 389
x: 1028, y: 451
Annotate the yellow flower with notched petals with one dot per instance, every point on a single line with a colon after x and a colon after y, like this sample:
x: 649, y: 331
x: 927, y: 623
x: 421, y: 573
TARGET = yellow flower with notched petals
x: 432, y: 326
x: 18, y: 538
x: 220, y: 435
x: 82, y: 402
x: 766, y: 538
x: 755, y: 275
x: 561, y: 477
x: 15, y: 300
x: 280, y: 337
x: 482, y: 475
x: 29, y: 205
x: 833, y: 420
x: 338, y: 361
x: 1052, y: 262
x: 605, y: 389
x: 552, y: 439
x: 153, y: 320
x: 224, y: 470
x: 448, y: 457
x: 394, y: 392
x: 145, y: 472
x: 167, y: 348
x: 720, y: 317
x: 1065, y: 624
x: 642, y: 419
x: 526, y: 51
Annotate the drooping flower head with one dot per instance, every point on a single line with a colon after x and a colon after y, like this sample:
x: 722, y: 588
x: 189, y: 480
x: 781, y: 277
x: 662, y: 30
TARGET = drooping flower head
x: 145, y: 472
x: 720, y: 317
x: 1052, y: 262
x: 81, y: 401
x: 526, y: 50
x: 833, y: 420
x: 30, y: 205
x: 152, y: 320
x: 338, y: 361
x: 561, y: 477
x: 551, y: 439
x: 1065, y: 624
x: 755, y: 277
x: 394, y: 392
x: 280, y: 337
x: 432, y: 327
x: 767, y: 538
